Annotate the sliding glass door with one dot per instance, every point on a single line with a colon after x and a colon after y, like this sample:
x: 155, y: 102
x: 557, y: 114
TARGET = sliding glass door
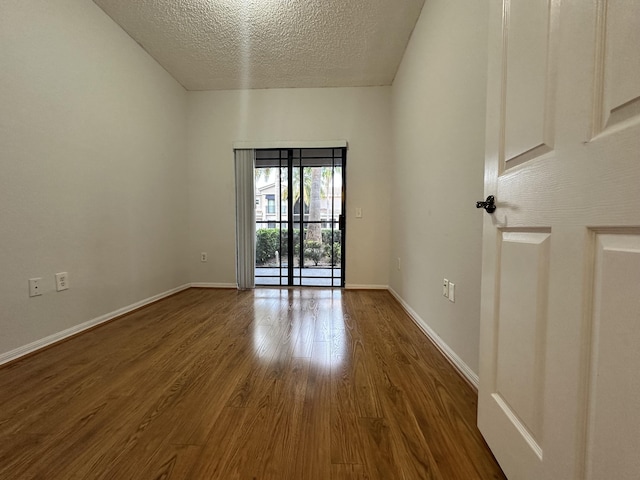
x: 300, y: 223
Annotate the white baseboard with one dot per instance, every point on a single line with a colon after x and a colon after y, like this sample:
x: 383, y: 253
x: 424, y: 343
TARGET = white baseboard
x: 56, y: 337
x: 355, y: 286
x: 453, y: 358
x: 213, y: 285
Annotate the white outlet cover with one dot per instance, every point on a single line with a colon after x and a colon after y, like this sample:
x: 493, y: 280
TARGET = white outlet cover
x: 452, y: 291
x: 34, y: 287
x: 62, y: 281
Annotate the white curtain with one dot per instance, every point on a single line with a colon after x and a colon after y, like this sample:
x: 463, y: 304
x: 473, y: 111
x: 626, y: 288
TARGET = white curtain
x: 245, y: 219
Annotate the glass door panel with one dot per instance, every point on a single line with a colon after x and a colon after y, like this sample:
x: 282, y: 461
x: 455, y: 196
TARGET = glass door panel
x: 302, y: 189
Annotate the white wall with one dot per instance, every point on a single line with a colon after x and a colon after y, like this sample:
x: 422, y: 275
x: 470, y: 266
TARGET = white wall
x: 92, y: 170
x: 438, y: 102
x: 217, y: 119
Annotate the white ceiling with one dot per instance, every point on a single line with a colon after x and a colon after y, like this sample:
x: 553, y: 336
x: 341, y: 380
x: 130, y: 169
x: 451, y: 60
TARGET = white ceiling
x: 232, y: 44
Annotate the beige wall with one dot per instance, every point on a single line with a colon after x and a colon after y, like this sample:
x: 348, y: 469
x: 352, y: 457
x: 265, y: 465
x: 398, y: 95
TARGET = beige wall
x: 438, y: 124
x: 218, y: 119
x: 92, y: 170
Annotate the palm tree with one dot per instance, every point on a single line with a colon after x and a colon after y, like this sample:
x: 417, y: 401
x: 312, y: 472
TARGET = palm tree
x: 263, y: 172
x: 306, y: 186
x: 314, y: 231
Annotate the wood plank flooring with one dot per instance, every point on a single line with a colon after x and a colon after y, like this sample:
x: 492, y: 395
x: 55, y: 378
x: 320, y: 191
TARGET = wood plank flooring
x: 298, y: 384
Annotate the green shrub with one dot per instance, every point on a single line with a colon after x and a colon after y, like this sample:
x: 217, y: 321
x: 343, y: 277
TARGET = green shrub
x: 272, y: 240
x: 334, y: 256
x: 313, y: 251
x: 326, y: 236
x: 285, y: 246
x: 266, y: 244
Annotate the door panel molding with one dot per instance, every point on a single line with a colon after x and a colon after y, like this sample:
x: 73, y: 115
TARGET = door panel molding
x: 528, y: 82
x: 522, y: 429
x: 616, y: 87
x: 521, y: 327
x: 611, y: 442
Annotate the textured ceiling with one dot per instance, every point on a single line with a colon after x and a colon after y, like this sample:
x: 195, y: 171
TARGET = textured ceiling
x: 232, y: 44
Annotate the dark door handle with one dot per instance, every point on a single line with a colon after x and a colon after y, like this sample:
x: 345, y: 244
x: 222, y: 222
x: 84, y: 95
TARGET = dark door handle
x: 489, y: 204
x: 340, y: 222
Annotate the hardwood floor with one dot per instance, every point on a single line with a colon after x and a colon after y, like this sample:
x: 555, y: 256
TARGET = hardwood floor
x: 219, y: 384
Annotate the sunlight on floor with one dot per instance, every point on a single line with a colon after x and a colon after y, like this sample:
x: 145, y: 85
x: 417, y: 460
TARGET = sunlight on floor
x: 314, y: 318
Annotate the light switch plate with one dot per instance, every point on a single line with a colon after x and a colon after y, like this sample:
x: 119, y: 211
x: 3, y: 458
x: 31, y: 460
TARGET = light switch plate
x: 445, y: 288
x: 452, y: 292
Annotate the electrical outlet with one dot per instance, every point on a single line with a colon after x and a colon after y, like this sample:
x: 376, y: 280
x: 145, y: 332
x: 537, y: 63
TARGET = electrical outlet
x: 445, y: 288
x: 62, y: 281
x: 452, y: 292
x: 203, y: 257
x: 34, y: 287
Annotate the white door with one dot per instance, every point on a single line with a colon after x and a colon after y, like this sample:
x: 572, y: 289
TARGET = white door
x: 559, y: 395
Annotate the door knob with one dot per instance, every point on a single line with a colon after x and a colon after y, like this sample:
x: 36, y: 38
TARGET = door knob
x: 489, y: 204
